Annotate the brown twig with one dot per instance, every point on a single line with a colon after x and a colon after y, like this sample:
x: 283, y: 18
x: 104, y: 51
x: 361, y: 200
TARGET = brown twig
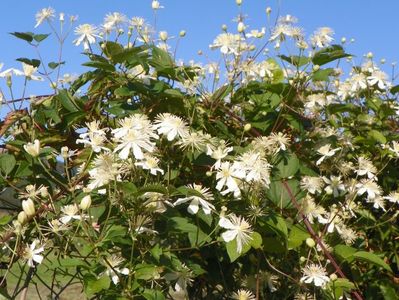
x: 317, y: 238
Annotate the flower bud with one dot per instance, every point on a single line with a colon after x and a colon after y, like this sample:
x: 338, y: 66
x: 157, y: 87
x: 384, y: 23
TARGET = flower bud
x: 310, y: 242
x: 247, y: 127
x: 268, y: 10
x: 22, y: 218
x: 155, y: 5
x: 85, y: 203
x: 208, y: 173
x: 302, y: 259
x: 64, y: 152
x: 252, y: 47
x: 224, y: 27
x: 343, y: 40
x: 238, y: 2
x: 182, y: 33
x: 369, y: 55
x: 163, y: 35
x: 33, y: 149
x: 333, y: 277
x: 62, y: 17
x: 382, y: 61
x: 240, y: 27
x: 316, y: 68
x: 29, y: 207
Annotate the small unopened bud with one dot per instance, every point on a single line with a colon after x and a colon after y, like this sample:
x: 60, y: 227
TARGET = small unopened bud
x: 352, y: 40
x: 333, y: 277
x: 9, y: 81
x: 382, y: 61
x: 268, y: 10
x: 62, y: 17
x: 182, y: 33
x: 120, y: 31
x: 22, y: 218
x: 252, y: 47
x: 343, y: 40
x: 240, y: 27
x: 33, y: 149
x: 316, y: 68
x: 53, y: 85
x: 224, y: 27
x: 155, y: 5
x: 199, y: 52
x: 64, y: 152
x: 85, y: 203
x: 302, y: 259
x: 44, y: 192
x: 369, y: 55
x: 247, y: 127
x: 239, y: 2
x: 208, y: 173
x: 29, y: 207
x: 163, y: 35
x: 310, y: 242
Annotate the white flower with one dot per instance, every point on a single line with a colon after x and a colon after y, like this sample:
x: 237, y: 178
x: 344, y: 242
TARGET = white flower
x: 114, y: 19
x: 228, y: 43
x: 32, y: 253
x: 325, y: 151
x: 95, y: 141
x: 218, y: 153
x: 172, y: 126
x: 136, y: 141
x: 155, y: 5
x: 311, y: 210
x: 255, y: 168
x: 228, y: 176
x: 201, y: 198
x: 378, y: 78
x: 33, y: 149
x: 87, y: 34
x: 44, y: 14
x: 281, y: 140
x: 243, y: 295
x: 312, y: 184
x: 112, y: 263
x: 137, y: 122
x: 150, y: 163
x: 316, y: 274
x: 105, y: 169
x: 237, y: 228
x: 334, y: 185
x: 359, y: 82
x: 393, y: 197
x: 193, y: 141
x: 28, y: 71
x: 366, y: 167
x: 322, y: 37
x: 370, y: 187
x: 71, y: 212
x: 394, y: 148
x: 28, y: 207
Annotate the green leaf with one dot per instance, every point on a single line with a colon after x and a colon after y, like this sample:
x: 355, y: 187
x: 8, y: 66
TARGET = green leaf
x: 377, y: 136
x: 231, y: 248
x: 67, y: 101
x: 288, y: 165
x: 256, y: 240
x: 26, y: 36
x: 111, y: 49
x: 329, y: 54
x: 372, y: 259
x: 295, y: 60
x: 322, y: 75
x: 53, y: 65
x: 40, y: 37
x: 7, y: 163
x: 151, y: 294
x: 279, y: 195
x: 33, y: 62
x: 4, y: 220
x: 297, y: 236
x: 100, y: 65
x: 344, y: 252
x: 93, y: 285
x: 146, y: 271
x: 123, y: 92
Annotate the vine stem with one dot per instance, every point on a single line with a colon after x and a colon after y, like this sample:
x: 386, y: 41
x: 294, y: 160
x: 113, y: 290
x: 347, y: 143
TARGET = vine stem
x: 309, y: 227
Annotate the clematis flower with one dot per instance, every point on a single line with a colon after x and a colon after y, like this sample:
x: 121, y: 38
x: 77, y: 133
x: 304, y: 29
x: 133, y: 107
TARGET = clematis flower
x: 237, y: 228
x: 87, y: 34
x: 316, y: 274
x: 325, y: 151
x: 32, y: 253
x: 197, y: 201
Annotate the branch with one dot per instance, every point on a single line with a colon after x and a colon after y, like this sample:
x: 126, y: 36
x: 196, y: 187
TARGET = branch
x: 317, y: 238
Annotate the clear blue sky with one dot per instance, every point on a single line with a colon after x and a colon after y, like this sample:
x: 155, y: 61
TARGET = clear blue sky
x: 374, y: 25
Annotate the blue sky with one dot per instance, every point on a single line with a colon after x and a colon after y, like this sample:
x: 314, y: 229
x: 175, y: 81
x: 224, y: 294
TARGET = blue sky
x: 373, y: 25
